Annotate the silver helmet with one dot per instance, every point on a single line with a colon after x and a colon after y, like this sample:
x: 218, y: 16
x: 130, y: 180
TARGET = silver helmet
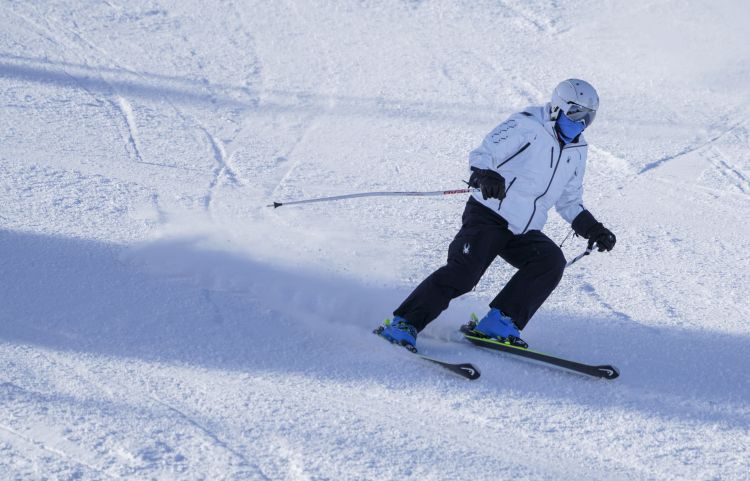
x: 577, y: 99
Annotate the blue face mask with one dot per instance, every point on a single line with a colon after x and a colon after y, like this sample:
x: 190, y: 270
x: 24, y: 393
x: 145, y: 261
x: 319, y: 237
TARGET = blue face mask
x: 567, y: 129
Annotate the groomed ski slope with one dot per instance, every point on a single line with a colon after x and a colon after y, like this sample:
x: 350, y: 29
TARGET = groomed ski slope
x: 158, y: 321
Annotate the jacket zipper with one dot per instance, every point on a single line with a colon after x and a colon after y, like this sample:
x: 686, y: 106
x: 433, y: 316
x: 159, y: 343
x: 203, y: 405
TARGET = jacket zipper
x: 551, y: 156
x: 511, y: 157
x: 506, y: 192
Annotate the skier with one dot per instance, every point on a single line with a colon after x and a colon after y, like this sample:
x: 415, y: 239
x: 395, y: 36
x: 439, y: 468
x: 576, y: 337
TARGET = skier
x: 525, y: 165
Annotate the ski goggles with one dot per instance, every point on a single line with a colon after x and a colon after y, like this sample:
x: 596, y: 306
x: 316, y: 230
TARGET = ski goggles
x: 577, y: 113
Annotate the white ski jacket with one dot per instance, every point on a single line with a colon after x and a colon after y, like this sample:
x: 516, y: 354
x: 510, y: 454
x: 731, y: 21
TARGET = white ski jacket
x: 538, y: 171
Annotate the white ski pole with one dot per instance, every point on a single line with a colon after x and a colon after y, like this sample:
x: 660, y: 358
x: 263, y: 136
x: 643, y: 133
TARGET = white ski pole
x: 580, y: 256
x: 376, y: 194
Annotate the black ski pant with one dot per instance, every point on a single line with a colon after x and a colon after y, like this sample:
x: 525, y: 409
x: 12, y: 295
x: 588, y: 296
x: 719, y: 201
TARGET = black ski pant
x: 484, y: 235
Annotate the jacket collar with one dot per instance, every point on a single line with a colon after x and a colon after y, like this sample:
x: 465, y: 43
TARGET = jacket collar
x: 542, y: 114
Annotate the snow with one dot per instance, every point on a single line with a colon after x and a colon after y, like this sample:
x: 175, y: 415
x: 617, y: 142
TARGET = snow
x: 158, y: 321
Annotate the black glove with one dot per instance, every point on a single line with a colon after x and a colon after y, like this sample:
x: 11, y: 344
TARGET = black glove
x: 602, y: 237
x: 489, y: 182
x: 586, y: 226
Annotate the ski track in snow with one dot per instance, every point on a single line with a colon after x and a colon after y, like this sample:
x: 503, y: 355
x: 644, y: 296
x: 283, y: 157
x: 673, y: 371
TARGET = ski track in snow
x: 314, y: 121
x: 691, y: 148
x: 223, y: 163
x: 732, y: 174
x: 157, y: 321
x: 541, y: 22
x: 38, y: 445
x: 127, y: 113
x: 213, y: 437
x: 118, y: 102
x: 222, y: 169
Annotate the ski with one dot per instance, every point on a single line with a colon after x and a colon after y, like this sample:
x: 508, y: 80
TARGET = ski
x: 465, y: 369
x: 604, y: 371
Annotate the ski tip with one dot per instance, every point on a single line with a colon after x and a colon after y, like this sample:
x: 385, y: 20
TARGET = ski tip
x: 470, y: 371
x: 608, y: 372
x: 275, y: 205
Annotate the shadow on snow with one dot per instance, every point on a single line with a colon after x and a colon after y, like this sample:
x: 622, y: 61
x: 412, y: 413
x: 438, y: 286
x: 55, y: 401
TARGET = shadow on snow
x: 180, y: 301
x: 157, y: 87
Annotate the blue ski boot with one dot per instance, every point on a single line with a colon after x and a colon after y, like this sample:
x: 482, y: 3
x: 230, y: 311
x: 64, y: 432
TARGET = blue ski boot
x: 399, y: 331
x: 497, y: 325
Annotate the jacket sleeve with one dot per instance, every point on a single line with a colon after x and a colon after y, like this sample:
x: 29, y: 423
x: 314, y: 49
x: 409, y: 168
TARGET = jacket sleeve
x: 502, y: 142
x: 570, y: 203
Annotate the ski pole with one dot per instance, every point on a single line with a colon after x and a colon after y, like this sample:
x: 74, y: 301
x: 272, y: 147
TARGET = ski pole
x: 580, y: 256
x: 376, y: 194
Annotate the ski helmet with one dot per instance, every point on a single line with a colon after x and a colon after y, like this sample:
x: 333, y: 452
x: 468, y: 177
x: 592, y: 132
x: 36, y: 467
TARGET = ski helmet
x: 577, y: 99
